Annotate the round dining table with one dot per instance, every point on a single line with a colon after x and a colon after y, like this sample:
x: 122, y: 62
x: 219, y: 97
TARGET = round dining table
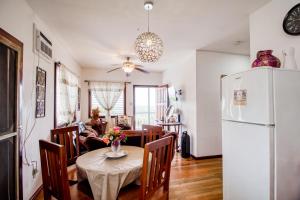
x: 107, y: 176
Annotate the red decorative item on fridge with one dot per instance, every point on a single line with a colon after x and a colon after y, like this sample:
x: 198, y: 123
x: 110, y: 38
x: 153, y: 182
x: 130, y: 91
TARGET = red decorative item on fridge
x: 265, y: 58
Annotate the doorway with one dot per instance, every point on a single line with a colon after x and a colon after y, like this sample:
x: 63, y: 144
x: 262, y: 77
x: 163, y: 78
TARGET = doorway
x: 145, y: 105
x: 11, y: 53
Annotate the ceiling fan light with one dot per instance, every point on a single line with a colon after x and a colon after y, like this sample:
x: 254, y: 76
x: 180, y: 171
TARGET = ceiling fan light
x: 128, y: 67
x: 148, y: 5
x: 127, y: 70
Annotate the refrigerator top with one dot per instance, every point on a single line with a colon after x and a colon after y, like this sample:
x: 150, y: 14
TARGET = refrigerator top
x: 263, y: 68
x: 248, y: 96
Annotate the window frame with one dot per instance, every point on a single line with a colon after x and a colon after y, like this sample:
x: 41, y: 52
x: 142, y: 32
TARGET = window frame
x: 56, y: 125
x: 56, y: 65
x: 113, y: 116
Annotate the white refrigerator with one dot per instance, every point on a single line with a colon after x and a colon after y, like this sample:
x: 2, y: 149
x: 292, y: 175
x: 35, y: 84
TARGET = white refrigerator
x: 261, y: 135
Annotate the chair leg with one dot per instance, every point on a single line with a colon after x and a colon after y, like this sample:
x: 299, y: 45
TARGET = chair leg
x: 47, y: 195
x: 166, y: 190
x: 72, y: 175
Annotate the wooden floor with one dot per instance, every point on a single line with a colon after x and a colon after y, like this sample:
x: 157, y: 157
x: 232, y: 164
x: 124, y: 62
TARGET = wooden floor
x: 196, y: 179
x: 190, y: 179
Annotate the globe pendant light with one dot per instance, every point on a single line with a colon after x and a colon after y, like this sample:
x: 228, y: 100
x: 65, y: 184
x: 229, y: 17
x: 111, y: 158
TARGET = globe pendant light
x: 148, y: 45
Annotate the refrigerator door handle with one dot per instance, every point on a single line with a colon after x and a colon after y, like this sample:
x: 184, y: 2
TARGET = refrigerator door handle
x: 258, y: 124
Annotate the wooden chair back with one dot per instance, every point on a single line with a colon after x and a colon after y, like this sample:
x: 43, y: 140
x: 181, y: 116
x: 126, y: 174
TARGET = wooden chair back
x: 175, y: 137
x: 68, y: 137
x: 93, y: 143
x: 157, y: 154
x: 54, y: 171
x: 135, y: 137
x: 152, y: 132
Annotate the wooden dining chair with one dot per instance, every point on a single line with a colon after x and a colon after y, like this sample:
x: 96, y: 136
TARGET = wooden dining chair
x: 54, y: 171
x: 175, y: 137
x: 93, y: 143
x: 152, y: 133
x: 68, y: 137
x: 134, y: 137
x: 156, y: 173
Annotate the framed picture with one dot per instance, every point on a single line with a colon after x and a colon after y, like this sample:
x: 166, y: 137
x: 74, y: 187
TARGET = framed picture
x: 40, y: 108
x: 79, y: 95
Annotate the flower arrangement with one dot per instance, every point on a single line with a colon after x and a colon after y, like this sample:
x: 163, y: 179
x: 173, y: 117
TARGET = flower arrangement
x: 114, y: 136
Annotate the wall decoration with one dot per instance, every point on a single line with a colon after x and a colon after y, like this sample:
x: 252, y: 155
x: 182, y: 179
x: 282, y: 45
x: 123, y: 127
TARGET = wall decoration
x: 265, y: 58
x: 78, y: 102
x: 291, y: 22
x: 40, y: 93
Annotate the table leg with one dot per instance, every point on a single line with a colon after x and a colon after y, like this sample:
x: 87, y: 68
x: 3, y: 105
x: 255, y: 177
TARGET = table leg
x: 177, y: 131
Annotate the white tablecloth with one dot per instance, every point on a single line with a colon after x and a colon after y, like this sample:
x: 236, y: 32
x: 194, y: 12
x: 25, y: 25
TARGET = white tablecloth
x: 107, y: 176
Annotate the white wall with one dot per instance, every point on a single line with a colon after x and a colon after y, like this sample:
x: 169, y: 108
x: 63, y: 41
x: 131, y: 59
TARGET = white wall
x: 183, y: 76
x: 17, y: 18
x: 266, y: 30
x: 198, y: 75
x: 210, y: 67
x: 136, y: 78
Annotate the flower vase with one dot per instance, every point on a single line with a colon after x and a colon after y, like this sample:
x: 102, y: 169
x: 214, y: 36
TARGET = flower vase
x: 116, y: 146
x: 265, y: 58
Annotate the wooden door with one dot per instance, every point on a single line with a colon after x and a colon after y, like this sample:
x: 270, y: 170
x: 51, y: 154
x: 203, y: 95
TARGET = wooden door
x: 11, y: 51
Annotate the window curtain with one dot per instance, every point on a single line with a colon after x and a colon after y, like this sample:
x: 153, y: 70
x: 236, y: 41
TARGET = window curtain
x: 107, y: 95
x: 67, y: 97
x: 162, y: 102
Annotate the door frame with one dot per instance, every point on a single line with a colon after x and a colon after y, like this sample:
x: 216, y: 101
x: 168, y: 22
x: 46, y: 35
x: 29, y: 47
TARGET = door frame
x: 135, y: 86
x: 15, y: 44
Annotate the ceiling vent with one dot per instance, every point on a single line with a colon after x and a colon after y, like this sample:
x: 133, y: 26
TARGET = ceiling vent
x: 42, y: 44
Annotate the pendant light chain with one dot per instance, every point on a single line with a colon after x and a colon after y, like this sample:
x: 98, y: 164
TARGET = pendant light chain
x: 148, y: 20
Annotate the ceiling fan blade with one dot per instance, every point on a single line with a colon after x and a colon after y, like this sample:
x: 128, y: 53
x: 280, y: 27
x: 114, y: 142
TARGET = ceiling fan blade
x: 116, y: 65
x: 113, y: 69
x: 141, y: 70
x: 141, y: 66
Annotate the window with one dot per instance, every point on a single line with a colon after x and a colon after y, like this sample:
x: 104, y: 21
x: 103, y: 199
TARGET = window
x: 118, y: 109
x: 66, y: 96
x: 145, y: 105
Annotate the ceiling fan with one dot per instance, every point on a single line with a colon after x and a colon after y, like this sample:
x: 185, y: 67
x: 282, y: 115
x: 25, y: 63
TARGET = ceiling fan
x: 128, y: 66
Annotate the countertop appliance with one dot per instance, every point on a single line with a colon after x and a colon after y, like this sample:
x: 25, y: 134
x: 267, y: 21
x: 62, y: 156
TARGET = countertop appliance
x: 261, y: 135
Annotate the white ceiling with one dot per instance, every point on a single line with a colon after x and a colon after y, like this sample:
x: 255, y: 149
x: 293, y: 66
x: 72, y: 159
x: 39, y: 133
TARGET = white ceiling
x: 236, y: 43
x: 99, y: 32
